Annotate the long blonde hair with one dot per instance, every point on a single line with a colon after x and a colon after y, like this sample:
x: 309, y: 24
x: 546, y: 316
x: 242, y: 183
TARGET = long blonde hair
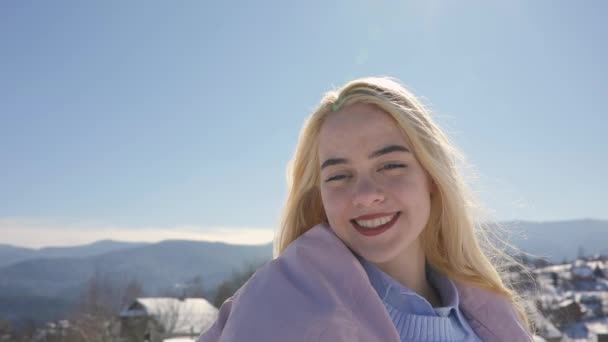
x: 451, y: 240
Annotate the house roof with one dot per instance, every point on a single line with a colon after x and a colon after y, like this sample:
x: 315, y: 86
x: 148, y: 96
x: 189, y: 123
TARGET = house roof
x: 598, y: 326
x: 176, y: 316
x: 582, y: 271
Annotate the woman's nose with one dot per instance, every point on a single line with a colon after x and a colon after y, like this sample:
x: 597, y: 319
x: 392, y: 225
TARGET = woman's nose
x: 367, y: 192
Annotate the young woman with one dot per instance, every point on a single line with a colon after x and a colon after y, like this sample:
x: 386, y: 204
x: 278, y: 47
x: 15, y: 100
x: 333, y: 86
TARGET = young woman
x: 378, y: 242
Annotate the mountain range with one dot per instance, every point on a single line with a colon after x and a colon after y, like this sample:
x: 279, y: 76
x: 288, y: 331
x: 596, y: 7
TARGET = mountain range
x: 559, y: 240
x: 42, y: 284
x: 12, y: 254
x: 41, y: 288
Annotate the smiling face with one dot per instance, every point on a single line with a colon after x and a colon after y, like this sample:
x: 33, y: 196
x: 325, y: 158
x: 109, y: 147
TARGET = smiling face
x: 375, y: 193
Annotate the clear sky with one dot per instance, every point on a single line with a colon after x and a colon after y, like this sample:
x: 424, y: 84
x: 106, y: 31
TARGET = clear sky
x: 143, y: 120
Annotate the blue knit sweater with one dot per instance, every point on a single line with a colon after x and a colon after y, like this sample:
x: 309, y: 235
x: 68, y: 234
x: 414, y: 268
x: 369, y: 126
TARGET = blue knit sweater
x: 413, y: 316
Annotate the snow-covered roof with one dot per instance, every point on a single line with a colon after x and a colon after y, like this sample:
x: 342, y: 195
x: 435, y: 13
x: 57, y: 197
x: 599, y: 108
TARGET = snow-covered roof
x: 600, y: 264
x: 582, y: 271
x: 566, y: 302
x: 554, y: 268
x: 598, y: 326
x: 190, y: 315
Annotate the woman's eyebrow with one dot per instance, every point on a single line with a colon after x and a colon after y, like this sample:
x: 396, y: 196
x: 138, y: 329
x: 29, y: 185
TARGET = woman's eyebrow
x: 333, y: 161
x: 385, y: 150
x: 388, y: 149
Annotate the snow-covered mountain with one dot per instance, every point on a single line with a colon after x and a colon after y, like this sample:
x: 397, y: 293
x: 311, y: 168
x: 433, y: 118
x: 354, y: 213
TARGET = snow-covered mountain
x: 559, y: 240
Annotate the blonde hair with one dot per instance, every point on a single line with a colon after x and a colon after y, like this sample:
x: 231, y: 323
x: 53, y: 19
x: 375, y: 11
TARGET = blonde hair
x: 451, y: 240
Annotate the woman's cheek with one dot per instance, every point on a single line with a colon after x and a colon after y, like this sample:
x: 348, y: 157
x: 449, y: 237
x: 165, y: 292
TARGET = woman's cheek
x: 333, y: 202
x: 396, y: 184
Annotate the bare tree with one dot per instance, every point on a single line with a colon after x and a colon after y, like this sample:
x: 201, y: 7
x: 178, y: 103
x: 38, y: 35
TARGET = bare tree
x: 195, y: 288
x: 163, y: 320
x: 169, y: 316
x: 228, y: 287
x: 101, y: 300
x: 6, y: 331
x: 133, y: 290
x: 192, y: 288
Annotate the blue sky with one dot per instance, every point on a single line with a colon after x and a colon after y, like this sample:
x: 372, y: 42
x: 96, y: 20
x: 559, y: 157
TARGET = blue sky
x: 150, y: 117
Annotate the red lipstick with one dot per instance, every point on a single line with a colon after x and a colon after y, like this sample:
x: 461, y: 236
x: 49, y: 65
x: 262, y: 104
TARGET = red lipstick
x: 374, y: 231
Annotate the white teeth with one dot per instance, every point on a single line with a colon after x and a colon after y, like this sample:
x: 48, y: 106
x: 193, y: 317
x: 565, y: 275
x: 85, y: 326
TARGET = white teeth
x: 375, y: 222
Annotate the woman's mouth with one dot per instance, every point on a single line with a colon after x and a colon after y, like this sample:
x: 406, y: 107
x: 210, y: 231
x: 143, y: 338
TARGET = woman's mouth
x: 372, y: 225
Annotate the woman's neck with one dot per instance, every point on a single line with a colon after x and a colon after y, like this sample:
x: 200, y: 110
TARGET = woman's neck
x: 409, y: 269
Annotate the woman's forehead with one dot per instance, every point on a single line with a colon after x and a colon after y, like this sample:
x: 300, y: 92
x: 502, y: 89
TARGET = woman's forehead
x: 359, y: 128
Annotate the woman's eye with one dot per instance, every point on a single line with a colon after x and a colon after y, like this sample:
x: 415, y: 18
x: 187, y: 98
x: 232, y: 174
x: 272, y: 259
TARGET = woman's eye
x: 336, y: 178
x: 393, y: 166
